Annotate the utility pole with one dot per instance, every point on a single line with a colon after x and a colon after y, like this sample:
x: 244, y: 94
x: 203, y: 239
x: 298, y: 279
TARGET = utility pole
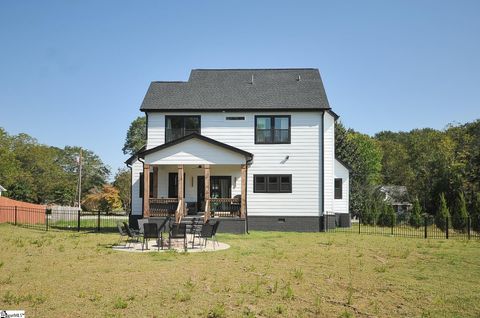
x: 80, y: 180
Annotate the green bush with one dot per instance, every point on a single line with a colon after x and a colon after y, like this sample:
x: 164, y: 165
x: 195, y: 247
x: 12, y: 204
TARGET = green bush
x: 443, y: 214
x: 415, y: 219
x: 460, y: 214
x: 387, y: 216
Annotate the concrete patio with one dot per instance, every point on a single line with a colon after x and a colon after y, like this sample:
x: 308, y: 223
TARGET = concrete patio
x: 177, y: 245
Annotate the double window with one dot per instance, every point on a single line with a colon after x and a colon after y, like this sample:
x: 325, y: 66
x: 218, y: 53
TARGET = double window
x: 180, y: 126
x: 272, y: 129
x: 272, y: 183
x: 338, y: 188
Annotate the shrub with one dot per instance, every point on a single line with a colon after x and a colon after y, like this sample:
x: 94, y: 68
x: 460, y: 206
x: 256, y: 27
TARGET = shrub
x: 460, y: 214
x: 415, y: 219
x: 387, y: 216
x: 443, y: 214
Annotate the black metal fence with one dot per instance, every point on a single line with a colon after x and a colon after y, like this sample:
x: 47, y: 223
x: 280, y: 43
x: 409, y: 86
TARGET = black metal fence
x: 73, y: 220
x: 408, y: 225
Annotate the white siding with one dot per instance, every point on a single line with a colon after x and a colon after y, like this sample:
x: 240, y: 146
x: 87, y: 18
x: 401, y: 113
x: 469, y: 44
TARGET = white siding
x: 303, y: 163
x: 342, y: 205
x: 329, y: 158
x: 194, y: 152
x: 137, y: 202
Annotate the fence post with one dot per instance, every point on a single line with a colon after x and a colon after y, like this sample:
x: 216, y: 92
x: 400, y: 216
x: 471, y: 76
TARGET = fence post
x: 15, y: 215
x: 392, y: 222
x: 446, y: 227
x: 425, y: 222
x: 359, y: 223
x: 46, y: 219
x: 98, y: 222
x: 78, y: 221
x: 468, y: 226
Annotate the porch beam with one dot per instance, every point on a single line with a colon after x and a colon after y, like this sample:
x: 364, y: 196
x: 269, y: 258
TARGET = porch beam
x: 181, y: 188
x: 146, y: 190
x: 207, y: 190
x: 243, y: 204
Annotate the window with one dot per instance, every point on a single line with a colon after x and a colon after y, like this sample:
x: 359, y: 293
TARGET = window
x: 338, y: 188
x: 273, y: 183
x: 142, y: 184
x: 180, y: 126
x: 272, y: 129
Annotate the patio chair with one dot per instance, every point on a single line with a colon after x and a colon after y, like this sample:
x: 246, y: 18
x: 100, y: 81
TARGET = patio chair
x: 150, y: 231
x: 215, y: 228
x: 131, y: 233
x: 122, y: 231
x: 161, y: 228
x: 207, y: 233
x: 141, y: 222
x: 178, y: 231
x: 195, y: 228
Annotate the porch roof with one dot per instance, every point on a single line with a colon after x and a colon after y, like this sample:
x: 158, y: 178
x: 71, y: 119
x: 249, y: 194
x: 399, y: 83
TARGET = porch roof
x: 195, y: 149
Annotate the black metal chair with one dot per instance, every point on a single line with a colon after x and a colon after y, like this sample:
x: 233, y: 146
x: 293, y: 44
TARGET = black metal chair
x: 195, y: 228
x: 150, y: 231
x: 215, y: 228
x: 140, y: 223
x: 207, y: 233
x: 161, y: 228
x: 178, y: 231
x: 130, y: 233
x: 122, y: 231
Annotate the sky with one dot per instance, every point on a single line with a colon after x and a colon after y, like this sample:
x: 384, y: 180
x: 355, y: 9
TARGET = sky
x: 75, y: 72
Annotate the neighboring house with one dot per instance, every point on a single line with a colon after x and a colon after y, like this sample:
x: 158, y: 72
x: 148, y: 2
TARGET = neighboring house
x: 2, y: 189
x: 397, y: 196
x: 252, y: 147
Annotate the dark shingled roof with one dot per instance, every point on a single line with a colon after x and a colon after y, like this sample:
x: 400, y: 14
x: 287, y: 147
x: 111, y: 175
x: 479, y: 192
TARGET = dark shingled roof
x: 232, y: 89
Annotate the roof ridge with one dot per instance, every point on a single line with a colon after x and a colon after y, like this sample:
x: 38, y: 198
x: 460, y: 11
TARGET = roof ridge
x: 256, y: 69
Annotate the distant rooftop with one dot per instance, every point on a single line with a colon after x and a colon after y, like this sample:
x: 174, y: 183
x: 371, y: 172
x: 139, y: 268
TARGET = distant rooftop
x: 240, y: 89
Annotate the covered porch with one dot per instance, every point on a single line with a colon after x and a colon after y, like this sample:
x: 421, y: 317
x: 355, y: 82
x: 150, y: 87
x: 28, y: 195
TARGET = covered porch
x: 196, y: 176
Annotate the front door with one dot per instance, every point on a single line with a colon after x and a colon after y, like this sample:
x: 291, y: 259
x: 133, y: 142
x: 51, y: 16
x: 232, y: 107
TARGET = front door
x: 173, y: 185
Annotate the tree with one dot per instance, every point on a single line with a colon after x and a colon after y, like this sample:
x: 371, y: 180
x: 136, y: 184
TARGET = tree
x: 136, y: 136
x: 387, y: 216
x: 442, y: 218
x: 476, y: 212
x: 364, y: 155
x: 415, y: 219
x: 106, y: 200
x: 460, y: 214
x: 123, y: 183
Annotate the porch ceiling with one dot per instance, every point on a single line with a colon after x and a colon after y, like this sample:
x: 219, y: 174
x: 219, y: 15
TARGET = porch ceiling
x: 195, y: 149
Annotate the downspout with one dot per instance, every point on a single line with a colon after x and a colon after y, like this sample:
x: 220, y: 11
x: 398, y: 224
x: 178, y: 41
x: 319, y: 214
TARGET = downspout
x: 248, y: 162
x: 322, y: 205
x: 131, y: 187
x: 143, y: 197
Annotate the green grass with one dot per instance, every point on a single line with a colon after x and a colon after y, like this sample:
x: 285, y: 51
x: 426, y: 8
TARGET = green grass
x: 68, y: 274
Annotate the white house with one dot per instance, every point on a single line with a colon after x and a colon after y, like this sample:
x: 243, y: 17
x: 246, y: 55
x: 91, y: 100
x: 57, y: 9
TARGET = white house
x: 251, y: 147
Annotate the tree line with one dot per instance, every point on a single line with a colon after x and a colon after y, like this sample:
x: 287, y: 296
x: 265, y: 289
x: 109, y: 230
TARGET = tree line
x: 42, y: 174
x: 440, y: 168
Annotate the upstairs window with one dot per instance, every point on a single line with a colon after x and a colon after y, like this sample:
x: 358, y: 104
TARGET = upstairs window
x: 272, y: 183
x: 272, y: 129
x: 338, y: 188
x: 180, y: 126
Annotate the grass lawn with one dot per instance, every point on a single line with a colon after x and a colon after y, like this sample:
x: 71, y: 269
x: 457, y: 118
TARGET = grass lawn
x: 65, y: 274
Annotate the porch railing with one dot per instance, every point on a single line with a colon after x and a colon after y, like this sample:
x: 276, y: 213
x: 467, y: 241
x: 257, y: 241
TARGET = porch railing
x: 225, y: 207
x: 163, y: 206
